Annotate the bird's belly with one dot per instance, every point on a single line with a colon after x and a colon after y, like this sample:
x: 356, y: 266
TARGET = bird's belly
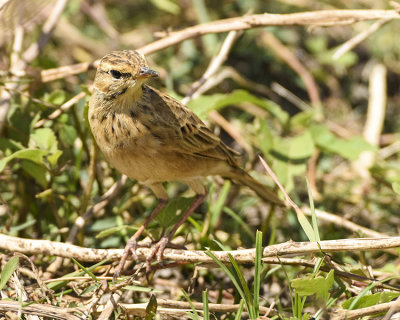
x: 150, y: 166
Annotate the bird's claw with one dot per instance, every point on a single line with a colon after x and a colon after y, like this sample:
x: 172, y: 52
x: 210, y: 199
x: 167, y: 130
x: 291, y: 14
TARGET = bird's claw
x: 157, y: 251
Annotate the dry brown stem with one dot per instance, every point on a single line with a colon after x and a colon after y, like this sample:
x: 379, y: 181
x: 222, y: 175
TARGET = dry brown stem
x: 313, y: 18
x: 43, y: 310
x: 45, y: 247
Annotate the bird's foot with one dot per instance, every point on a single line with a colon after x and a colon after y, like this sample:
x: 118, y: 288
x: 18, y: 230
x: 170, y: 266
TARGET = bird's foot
x: 157, y: 251
x: 130, y: 249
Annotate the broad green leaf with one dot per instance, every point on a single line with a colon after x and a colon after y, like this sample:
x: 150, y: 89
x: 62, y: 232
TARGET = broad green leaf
x: 8, y: 270
x: 371, y: 300
x: 45, y: 139
x: 53, y: 158
x: 203, y: 104
x: 9, y: 144
x: 34, y: 155
x: 349, y: 149
x: 55, y: 97
x: 173, y: 211
x: 38, y: 172
x: 67, y: 134
x: 265, y: 138
x: 290, y: 157
x: 309, y: 286
x: 302, y: 119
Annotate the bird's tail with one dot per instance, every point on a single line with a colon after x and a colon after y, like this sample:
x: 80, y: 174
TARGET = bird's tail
x: 262, y: 190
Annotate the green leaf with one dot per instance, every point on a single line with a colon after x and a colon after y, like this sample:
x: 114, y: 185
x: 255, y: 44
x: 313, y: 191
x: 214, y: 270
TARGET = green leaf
x: 170, y: 215
x: 34, y: 155
x: 151, y: 308
x: 37, y: 171
x: 67, y: 134
x: 396, y: 187
x: 167, y: 6
x: 265, y: 137
x: 8, y: 270
x: 55, y: 97
x: 204, y: 104
x: 309, y: 286
x: 302, y: 119
x: 45, y: 139
x: 113, y: 230
x: 371, y: 300
x: 349, y: 149
x: 306, y: 226
x: 291, y: 156
x: 53, y: 158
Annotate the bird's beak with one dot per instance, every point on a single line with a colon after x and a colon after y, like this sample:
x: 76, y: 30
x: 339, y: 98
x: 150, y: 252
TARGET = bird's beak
x: 147, y: 73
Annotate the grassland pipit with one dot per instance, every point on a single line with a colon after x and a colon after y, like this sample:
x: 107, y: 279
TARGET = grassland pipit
x: 153, y: 138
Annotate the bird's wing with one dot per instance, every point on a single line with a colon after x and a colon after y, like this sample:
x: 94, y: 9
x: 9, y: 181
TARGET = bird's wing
x: 187, y: 133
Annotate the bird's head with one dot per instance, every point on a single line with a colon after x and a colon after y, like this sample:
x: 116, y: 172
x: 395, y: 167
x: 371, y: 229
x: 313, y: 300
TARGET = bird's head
x: 122, y: 73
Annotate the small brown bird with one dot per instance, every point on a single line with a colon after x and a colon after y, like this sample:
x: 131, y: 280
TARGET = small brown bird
x: 153, y: 138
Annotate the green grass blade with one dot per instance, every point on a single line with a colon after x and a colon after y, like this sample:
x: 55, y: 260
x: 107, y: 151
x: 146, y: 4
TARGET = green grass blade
x: 313, y: 216
x: 86, y: 270
x: 240, y: 310
x: 8, y: 270
x: 195, y: 314
x: 245, y: 287
x: 206, y: 311
x: 257, y: 272
x: 230, y: 275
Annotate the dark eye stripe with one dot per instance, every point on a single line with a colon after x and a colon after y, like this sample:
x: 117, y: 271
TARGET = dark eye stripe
x: 118, y: 75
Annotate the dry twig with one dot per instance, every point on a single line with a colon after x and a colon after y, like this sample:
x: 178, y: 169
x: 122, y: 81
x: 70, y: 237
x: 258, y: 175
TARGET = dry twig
x: 30, y: 246
x: 315, y: 18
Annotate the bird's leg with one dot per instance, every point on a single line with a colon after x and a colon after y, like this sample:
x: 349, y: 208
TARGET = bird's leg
x: 160, y: 246
x: 131, y: 245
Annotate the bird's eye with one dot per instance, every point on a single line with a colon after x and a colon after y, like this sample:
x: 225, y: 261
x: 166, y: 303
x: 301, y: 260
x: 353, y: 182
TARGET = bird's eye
x: 116, y: 74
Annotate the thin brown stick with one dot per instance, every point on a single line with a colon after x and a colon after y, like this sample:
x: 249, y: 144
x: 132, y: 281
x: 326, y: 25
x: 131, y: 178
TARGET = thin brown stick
x: 284, y: 53
x: 35, y: 247
x: 16, y: 66
x: 198, y: 88
x: 340, y: 221
x: 213, y: 67
x: 315, y: 18
x: 42, y: 310
x: 363, y: 312
x: 64, y: 107
x: 350, y: 44
x: 33, y: 51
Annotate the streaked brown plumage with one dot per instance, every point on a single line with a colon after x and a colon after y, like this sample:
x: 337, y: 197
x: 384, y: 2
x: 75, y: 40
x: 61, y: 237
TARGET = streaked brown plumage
x: 151, y: 137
